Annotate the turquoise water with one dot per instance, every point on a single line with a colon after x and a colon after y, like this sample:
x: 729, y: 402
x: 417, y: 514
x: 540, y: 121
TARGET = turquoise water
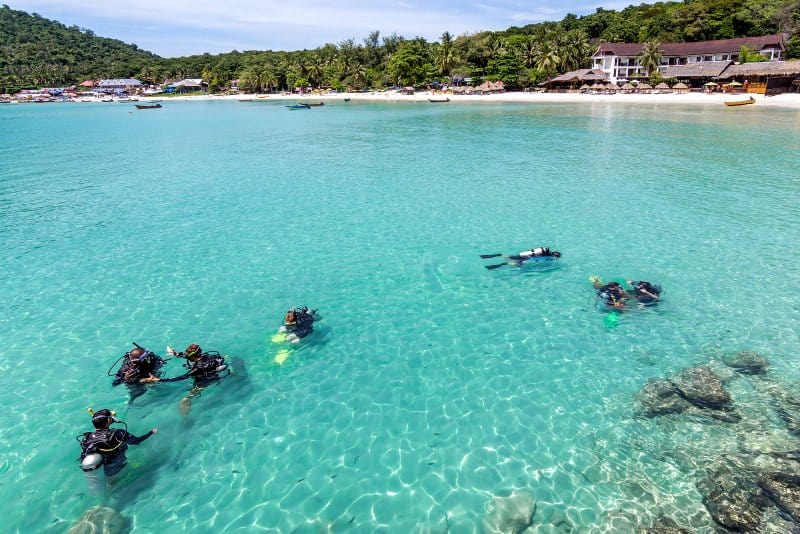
x: 430, y: 385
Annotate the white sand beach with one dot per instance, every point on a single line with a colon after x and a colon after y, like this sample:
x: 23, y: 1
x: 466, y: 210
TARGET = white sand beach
x: 787, y: 100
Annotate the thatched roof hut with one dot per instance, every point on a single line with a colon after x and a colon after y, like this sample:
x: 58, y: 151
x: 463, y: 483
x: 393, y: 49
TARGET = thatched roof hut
x: 681, y: 87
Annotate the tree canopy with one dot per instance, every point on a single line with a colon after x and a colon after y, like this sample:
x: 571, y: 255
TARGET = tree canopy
x: 36, y: 52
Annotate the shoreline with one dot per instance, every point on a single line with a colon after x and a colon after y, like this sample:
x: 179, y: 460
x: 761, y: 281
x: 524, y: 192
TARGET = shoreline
x: 786, y: 100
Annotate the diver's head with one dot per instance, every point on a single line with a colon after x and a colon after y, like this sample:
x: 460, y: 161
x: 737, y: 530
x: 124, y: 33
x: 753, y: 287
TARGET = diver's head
x: 103, y: 418
x: 136, y: 353
x: 291, y: 317
x: 192, y: 352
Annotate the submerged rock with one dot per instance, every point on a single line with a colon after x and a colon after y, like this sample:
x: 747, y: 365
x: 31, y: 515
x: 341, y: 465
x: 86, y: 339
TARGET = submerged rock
x: 665, y: 525
x: 100, y: 520
x: 702, y: 388
x: 661, y: 397
x: 732, y: 497
x: 784, y: 491
x: 509, y: 515
x: 748, y: 362
x: 787, y: 405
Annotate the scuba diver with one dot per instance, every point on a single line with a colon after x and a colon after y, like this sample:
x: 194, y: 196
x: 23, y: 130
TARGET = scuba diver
x: 140, y: 366
x: 297, y: 323
x: 106, y: 446
x: 203, y: 367
x: 612, y: 293
x: 645, y: 292
x: 516, y: 260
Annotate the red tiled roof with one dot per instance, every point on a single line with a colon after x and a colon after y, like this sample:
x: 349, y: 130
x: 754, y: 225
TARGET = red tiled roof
x: 720, y: 46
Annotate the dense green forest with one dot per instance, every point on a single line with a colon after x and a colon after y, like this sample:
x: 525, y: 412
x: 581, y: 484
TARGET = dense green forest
x: 36, y: 52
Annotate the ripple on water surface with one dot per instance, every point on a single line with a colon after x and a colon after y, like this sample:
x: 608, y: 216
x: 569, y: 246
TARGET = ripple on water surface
x: 431, y: 385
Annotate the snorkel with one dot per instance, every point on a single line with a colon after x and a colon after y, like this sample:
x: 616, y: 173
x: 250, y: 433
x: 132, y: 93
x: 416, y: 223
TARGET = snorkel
x: 111, y: 415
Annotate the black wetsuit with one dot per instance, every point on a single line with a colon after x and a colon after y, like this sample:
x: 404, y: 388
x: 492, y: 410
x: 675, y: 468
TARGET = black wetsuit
x: 644, y: 291
x: 134, y: 369
x: 611, y: 293
x: 112, y: 444
x: 303, y: 325
x: 205, y: 371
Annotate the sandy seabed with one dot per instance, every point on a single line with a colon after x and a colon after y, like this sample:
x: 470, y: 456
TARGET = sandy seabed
x: 787, y: 100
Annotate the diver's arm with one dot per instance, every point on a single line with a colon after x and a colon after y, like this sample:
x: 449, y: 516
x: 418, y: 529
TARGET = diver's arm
x: 134, y: 440
x: 176, y: 378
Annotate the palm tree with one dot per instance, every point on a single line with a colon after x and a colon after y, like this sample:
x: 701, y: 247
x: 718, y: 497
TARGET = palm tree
x: 446, y: 56
x: 528, y: 53
x: 547, y: 58
x: 315, y: 69
x: 650, y: 57
x: 574, y: 50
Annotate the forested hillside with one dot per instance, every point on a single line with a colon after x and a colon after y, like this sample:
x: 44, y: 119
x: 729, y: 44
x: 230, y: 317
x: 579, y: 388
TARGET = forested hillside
x: 37, y: 52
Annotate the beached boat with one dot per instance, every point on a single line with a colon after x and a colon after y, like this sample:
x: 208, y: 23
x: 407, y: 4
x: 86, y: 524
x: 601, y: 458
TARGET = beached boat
x: 148, y: 106
x: 750, y: 100
x: 347, y: 99
x: 299, y: 106
x: 437, y: 100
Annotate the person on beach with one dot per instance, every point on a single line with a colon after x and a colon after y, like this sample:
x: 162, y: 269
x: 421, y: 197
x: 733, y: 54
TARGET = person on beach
x: 106, y: 446
x: 205, y: 368
x: 140, y: 366
x: 516, y: 260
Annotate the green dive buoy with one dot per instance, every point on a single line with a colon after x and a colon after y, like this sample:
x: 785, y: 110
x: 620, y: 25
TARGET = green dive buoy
x: 611, y: 319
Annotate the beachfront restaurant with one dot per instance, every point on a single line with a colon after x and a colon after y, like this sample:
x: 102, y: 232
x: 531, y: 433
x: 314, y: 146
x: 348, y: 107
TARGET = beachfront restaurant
x: 118, y: 86
x: 576, y: 80
x: 188, y: 85
x: 696, y: 75
x: 764, y: 77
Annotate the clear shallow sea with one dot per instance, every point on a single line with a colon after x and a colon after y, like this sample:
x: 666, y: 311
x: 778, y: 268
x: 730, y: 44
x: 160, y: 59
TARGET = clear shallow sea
x: 430, y: 385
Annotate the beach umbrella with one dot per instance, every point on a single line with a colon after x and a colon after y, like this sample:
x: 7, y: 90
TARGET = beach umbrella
x: 585, y: 87
x: 645, y: 86
x: 711, y: 84
x: 661, y: 86
x: 734, y: 84
x: 627, y: 87
x: 612, y: 87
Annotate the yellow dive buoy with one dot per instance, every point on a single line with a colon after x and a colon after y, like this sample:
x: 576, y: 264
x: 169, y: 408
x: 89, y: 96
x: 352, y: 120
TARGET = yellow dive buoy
x: 281, y: 356
x: 280, y: 337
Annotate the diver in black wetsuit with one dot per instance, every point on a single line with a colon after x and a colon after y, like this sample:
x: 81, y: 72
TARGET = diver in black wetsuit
x: 645, y: 292
x: 205, y: 368
x: 516, y: 260
x: 139, y: 367
x: 106, y: 446
x: 298, y: 323
x: 612, y: 293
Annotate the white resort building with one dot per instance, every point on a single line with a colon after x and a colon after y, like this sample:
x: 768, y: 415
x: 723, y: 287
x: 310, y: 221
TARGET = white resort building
x: 619, y: 61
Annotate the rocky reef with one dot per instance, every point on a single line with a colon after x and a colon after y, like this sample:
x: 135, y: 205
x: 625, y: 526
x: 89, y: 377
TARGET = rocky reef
x: 100, y: 520
x: 696, y: 390
x: 509, y: 515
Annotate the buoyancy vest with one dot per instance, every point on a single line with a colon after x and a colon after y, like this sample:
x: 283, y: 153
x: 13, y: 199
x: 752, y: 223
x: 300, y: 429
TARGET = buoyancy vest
x: 106, y: 441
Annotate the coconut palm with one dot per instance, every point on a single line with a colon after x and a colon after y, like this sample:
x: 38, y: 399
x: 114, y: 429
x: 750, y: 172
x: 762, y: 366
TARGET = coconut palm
x: 650, y: 57
x: 574, y: 50
x: 547, y: 58
x: 315, y: 69
x: 446, y: 56
x: 528, y: 53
